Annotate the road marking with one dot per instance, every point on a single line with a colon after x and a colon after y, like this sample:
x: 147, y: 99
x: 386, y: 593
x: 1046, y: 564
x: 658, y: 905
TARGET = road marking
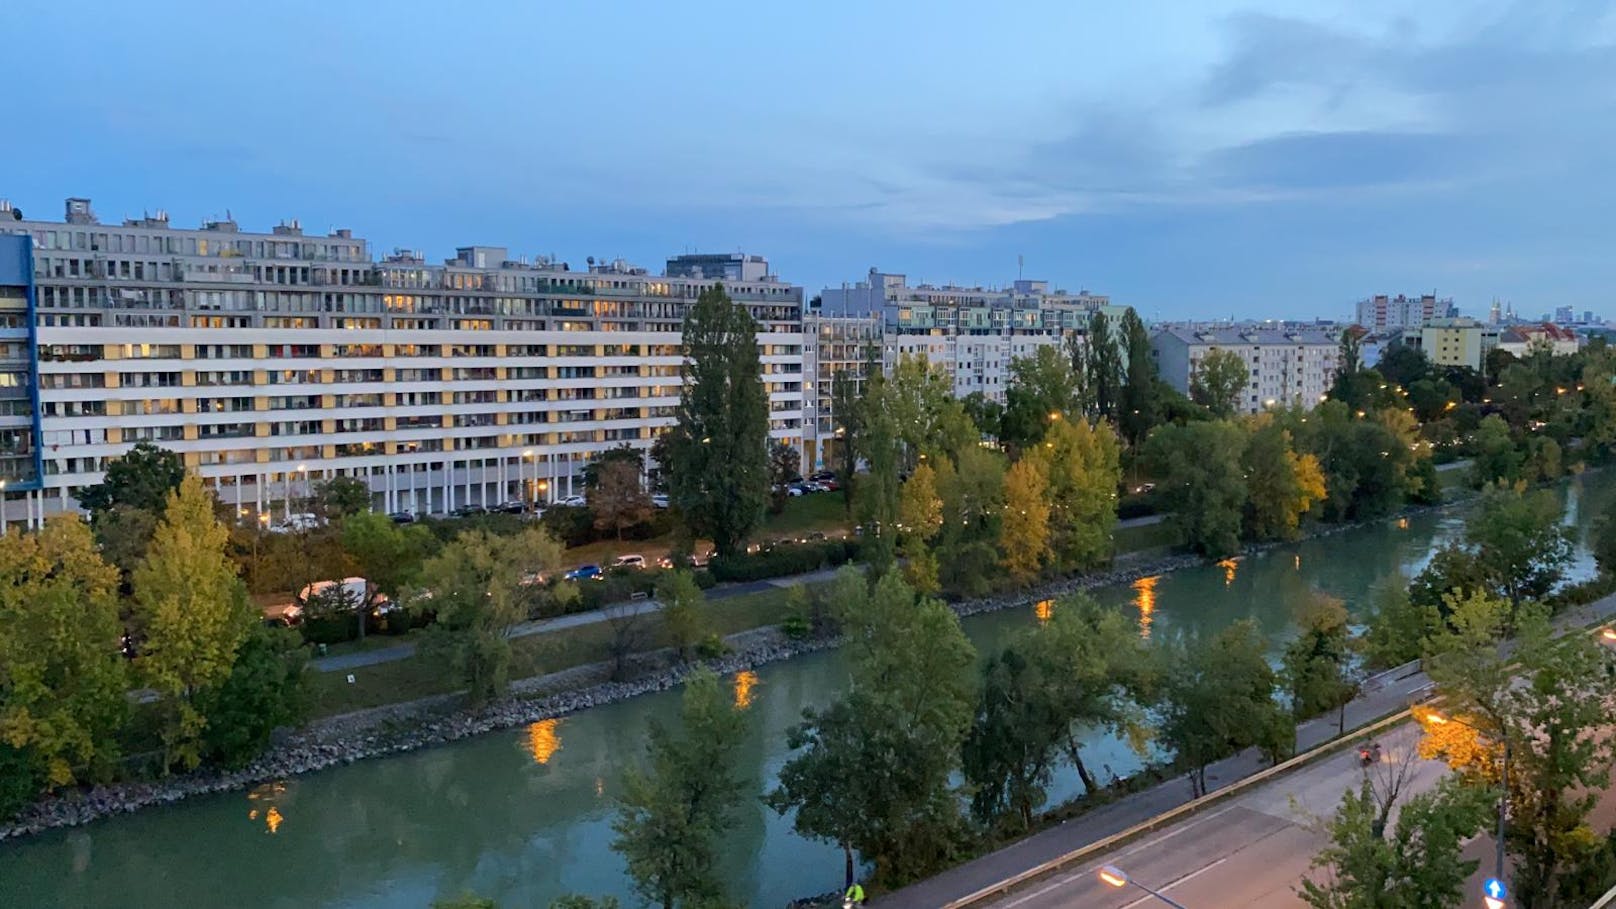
x: 1062, y: 881
x: 1196, y: 873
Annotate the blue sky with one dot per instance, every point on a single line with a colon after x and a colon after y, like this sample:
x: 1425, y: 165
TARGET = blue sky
x: 1194, y: 159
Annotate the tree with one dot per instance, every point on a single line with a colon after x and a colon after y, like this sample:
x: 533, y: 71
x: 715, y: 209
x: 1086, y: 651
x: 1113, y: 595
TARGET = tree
x: 574, y: 901
x: 1104, y: 365
x: 1351, y: 350
x: 142, y: 478
x: 1317, y: 667
x: 1496, y: 458
x: 629, y: 625
x: 674, y: 815
x: 1042, y: 388
x: 122, y: 532
x: 718, y: 449
x: 1519, y: 542
x: 785, y: 466
x: 972, y: 495
x: 622, y: 454
x: 1603, y: 541
x: 847, y: 410
x: 1024, y: 539
x: 1219, y: 381
x: 877, y: 494
x: 1548, y: 701
x: 1453, y: 571
x: 920, y: 516
x: 388, y: 555
x: 1138, y: 411
x: 1283, y: 485
x: 1422, y: 866
x: 1396, y: 627
x: 1082, y: 465
x: 617, y: 499
x: 61, y: 671
x: 464, y: 901
x: 341, y: 497
x: 1218, y: 700
x: 264, y: 691
x: 682, y: 610
x: 871, y: 772
x: 1202, y: 482
x: 985, y: 413
x: 1014, y: 741
x: 480, y: 587
x: 194, y: 611
x: 1403, y: 364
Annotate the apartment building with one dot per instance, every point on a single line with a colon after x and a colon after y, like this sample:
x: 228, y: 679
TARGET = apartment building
x: 832, y: 345
x: 271, y: 361
x: 1454, y: 342
x: 971, y: 333
x: 1382, y: 312
x: 1288, y: 367
x: 1524, y: 340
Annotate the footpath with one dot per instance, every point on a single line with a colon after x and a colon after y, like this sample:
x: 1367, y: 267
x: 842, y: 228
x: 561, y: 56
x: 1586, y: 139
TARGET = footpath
x: 1391, y: 692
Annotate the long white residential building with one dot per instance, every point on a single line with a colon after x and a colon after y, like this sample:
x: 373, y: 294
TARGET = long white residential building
x: 1288, y: 366
x: 273, y: 360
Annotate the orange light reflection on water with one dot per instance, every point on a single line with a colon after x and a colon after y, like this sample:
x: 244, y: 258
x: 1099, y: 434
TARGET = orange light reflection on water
x: 1145, y: 598
x: 745, y: 681
x: 544, y: 740
x: 1229, y: 566
x: 1044, y: 610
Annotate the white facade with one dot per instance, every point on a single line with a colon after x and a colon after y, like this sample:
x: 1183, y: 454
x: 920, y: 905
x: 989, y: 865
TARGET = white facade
x: 1383, y: 311
x: 1287, y: 367
x: 271, y: 361
x: 832, y: 345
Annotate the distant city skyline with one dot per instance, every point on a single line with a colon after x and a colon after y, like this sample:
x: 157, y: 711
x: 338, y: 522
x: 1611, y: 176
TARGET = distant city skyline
x: 1241, y: 159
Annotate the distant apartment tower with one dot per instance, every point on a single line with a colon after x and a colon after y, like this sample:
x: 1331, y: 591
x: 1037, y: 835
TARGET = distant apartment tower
x: 1287, y: 367
x: 272, y: 360
x: 1382, y: 312
x: 833, y: 345
x: 1563, y: 315
x: 719, y: 266
x: 1454, y: 342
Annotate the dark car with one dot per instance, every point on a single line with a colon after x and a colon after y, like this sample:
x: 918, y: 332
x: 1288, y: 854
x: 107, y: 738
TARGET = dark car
x: 402, y: 517
x: 466, y: 511
x: 514, y: 506
x: 823, y: 476
x: 584, y: 573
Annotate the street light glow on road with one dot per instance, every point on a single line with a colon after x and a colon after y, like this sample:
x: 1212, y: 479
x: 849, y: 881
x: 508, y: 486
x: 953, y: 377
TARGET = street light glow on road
x: 1114, y: 876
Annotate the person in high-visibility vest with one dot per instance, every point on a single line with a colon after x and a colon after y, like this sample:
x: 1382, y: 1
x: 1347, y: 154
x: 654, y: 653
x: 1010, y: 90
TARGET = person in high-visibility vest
x: 854, y: 895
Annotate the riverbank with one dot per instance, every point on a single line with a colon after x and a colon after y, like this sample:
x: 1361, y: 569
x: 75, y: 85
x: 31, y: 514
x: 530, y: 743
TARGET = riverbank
x: 440, y: 719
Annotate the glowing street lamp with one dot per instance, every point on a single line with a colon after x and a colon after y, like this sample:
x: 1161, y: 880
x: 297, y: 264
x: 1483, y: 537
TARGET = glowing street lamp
x: 1116, y: 877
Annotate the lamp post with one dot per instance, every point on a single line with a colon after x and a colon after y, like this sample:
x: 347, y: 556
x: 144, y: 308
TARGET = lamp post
x: 1116, y: 877
x: 1438, y: 719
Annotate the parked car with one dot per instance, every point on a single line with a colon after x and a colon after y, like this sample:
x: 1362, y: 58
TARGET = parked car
x: 575, y: 502
x: 466, y: 511
x: 511, y: 506
x: 584, y: 573
x: 793, y: 490
x: 402, y: 517
x: 830, y: 485
x: 659, y: 500
x: 629, y: 561
x: 822, y: 476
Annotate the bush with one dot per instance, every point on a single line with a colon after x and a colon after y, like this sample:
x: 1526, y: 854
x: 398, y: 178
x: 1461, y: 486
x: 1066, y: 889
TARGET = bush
x: 330, y: 629
x: 704, y: 579
x: 1138, y: 505
x: 711, y: 647
x: 616, y: 585
x: 796, y: 627
x: 1584, y: 593
x: 783, y: 560
x: 575, y: 526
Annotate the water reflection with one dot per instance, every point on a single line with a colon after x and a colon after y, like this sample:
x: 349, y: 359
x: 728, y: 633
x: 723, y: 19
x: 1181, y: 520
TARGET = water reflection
x: 543, y: 740
x: 1229, y: 566
x: 1044, y: 610
x: 267, y: 793
x: 1144, y: 599
x: 745, y: 681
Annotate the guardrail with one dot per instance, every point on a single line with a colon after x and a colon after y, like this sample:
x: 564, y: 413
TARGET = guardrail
x: 1183, y: 811
x: 1609, y: 899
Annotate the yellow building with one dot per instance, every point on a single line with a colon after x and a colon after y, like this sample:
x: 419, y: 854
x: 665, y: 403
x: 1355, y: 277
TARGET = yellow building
x: 1455, y: 342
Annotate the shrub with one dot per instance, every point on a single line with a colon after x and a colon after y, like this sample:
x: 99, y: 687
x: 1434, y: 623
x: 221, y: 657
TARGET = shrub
x: 330, y: 629
x: 783, y: 560
x: 711, y: 647
x: 796, y: 627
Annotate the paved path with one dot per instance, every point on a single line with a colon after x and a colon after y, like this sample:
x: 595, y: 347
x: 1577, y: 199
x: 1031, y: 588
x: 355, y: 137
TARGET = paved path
x: 1109, y: 819
x: 350, y: 661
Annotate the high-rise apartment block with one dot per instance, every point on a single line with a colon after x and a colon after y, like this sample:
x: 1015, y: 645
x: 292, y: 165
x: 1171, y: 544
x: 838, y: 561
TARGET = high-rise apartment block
x: 1382, y: 312
x: 1288, y: 367
x: 971, y: 333
x: 270, y: 361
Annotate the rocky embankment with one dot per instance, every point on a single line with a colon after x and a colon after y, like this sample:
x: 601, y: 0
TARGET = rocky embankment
x: 435, y: 721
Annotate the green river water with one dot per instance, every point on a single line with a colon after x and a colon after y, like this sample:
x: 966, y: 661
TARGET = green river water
x: 525, y: 815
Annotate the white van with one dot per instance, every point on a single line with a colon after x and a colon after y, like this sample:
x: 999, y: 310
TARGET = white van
x: 353, y: 588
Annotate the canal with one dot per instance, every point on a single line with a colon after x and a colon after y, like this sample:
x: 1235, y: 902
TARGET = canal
x: 525, y: 815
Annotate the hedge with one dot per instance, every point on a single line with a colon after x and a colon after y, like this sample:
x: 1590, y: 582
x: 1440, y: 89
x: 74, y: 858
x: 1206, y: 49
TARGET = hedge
x: 783, y: 560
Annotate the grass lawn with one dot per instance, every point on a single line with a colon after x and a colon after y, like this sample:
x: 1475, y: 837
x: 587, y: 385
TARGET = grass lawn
x: 1148, y: 536
x: 822, y: 511
x: 536, y: 654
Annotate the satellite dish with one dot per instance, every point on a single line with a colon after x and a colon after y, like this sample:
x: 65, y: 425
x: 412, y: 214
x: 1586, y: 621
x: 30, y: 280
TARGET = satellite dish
x: 16, y: 214
x: 591, y: 260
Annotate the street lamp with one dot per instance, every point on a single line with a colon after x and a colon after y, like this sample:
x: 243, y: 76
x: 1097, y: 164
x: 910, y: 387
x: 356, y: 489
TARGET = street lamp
x: 1437, y: 719
x: 1116, y: 877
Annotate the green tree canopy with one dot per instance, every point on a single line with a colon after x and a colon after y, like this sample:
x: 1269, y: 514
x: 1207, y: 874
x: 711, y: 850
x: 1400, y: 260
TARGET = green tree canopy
x: 1203, y: 482
x: 1219, y: 382
x: 1140, y: 407
x: 1218, y: 699
x: 718, y: 471
x: 1083, y: 469
x: 142, y: 478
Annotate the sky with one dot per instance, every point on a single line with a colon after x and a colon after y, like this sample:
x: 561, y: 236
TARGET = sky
x: 1195, y: 160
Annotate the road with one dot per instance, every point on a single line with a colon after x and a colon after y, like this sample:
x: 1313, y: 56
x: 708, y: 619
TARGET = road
x: 985, y: 871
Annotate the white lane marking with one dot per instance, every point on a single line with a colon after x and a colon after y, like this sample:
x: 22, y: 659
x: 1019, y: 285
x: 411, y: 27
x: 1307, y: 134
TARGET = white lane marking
x: 1196, y: 873
x: 1062, y: 881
